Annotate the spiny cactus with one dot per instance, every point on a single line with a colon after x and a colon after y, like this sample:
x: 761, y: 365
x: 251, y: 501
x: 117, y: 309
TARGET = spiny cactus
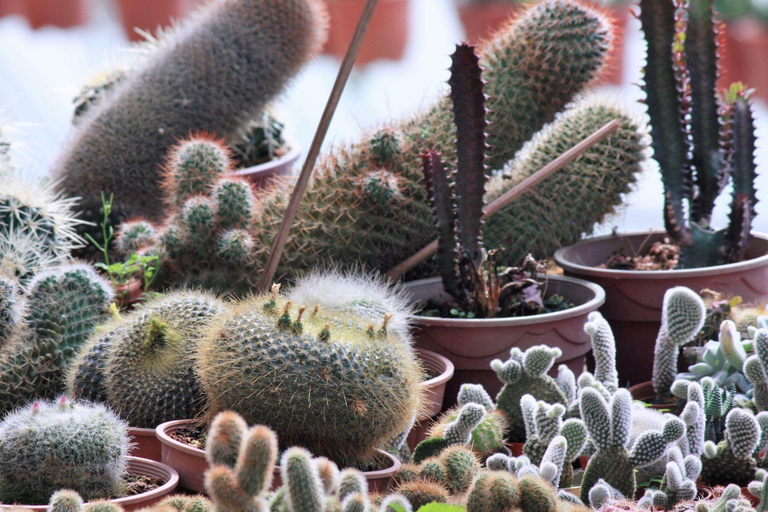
x: 731, y: 460
x: 485, y: 438
x: 37, y: 227
x: 11, y: 307
x: 604, y: 350
x: 382, y: 229
x: 499, y: 491
x: 679, y: 483
x: 420, y: 493
x: 526, y: 373
x: 251, y: 49
x: 755, y: 368
x: 316, y: 377
x: 47, y: 446
x: 759, y: 489
x: 602, y: 494
x: 70, y: 501
x: 62, y: 307
x: 682, y: 316
x: 728, y: 501
x: 550, y: 466
x: 689, y: 124
x: 609, y: 427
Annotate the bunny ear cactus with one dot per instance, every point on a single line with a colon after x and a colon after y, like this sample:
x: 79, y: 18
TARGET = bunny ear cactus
x: 525, y: 373
x: 689, y: 124
x: 475, y: 394
x: 679, y: 482
x: 759, y: 488
x: 731, y: 460
x: 756, y: 369
x: 120, y: 144
x: 609, y: 427
x: 683, y: 313
x: 604, y: 350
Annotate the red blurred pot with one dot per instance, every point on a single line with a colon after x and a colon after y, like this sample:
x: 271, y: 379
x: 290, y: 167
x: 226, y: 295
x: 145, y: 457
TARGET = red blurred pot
x: 260, y: 175
x: 145, y: 443
x: 130, y: 293
x: 482, y: 20
x: 148, y: 15
x: 746, y: 44
x: 60, y: 13
x: 472, y: 344
x: 387, y: 35
x: 634, y: 298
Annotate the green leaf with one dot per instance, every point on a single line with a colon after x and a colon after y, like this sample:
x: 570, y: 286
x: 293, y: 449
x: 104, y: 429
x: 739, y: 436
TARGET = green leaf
x: 441, y: 507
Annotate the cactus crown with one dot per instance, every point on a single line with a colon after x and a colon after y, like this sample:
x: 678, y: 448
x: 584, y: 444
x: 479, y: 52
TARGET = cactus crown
x: 700, y: 141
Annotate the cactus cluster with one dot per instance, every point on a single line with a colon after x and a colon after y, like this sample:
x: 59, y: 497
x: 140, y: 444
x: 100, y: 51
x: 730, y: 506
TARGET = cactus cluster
x: 755, y: 367
x: 701, y: 140
x: 62, y: 307
x: 250, y: 48
x: 47, y: 446
x: 731, y: 460
x: 679, y: 482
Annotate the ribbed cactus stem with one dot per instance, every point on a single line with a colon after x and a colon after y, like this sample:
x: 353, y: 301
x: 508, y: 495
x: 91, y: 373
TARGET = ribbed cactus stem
x: 299, y: 473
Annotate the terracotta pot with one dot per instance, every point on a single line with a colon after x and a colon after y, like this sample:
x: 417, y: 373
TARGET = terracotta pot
x: 472, y: 344
x: 191, y: 464
x: 60, y: 13
x: 516, y: 448
x: 745, y: 49
x: 434, y: 393
x: 644, y: 392
x: 8, y: 7
x: 634, y: 298
x: 387, y: 35
x: 145, y: 443
x: 129, y: 294
x: 148, y: 15
x: 260, y: 175
x: 482, y: 20
x: 137, y: 467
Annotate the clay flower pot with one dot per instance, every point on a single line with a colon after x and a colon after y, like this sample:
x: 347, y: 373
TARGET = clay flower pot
x: 148, y: 15
x: 434, y: 393
x: 471, y: 344
x: 744, y: 54
x: 483, y: 19
x: 145, y: 443
x: 634, y: 298
x: 136, y: 467
x: 387, y: 35
x: 260, y: 175
x: 129, y: 294
x: 61, y: 13
x: 644, y: 392
x: 191, y: 464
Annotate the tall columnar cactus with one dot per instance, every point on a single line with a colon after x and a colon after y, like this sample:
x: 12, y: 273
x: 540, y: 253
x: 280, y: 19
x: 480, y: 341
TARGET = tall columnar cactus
x: 682, y: 316
x: 604, y: 350
x: 679, y: 483
x: 756, y: 370
x: 251, y: 48
x: 242, y: 462
x: 373, y: 192
x: 700, y: 141
x: 609, y: 427
x: 47, y: 446
x: 62, y: 308
x: 525, y: 373
x: 37, y: 227
x: 316, y: 377
x: 731, y: 460
x: 552, y: 466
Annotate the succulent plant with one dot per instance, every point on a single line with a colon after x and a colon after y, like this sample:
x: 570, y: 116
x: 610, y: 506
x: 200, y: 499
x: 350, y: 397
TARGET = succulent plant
x: 731, y: 460
x: 62, y: 308
x: 755, y: 369
x: 251, y: 47
x: 316, y: 377
x: 682, y: 316
x: 679, y: 483
x: 499, y: 491
x: 609, y: 428
x: 525, y: 373
x: 700, y: 141
x: 46, y: 446
x: 603, y: 350
x: 729, y: 499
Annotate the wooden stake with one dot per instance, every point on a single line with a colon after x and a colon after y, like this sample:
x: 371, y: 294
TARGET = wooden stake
x: 276, y: 252
x: 552, y: 167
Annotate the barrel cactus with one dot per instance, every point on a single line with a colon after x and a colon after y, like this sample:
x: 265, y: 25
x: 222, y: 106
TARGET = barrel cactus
x: 316, y: 377
x: 47, y: 446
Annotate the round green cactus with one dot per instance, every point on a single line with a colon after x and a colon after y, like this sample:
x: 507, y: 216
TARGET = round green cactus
x: 494, y: 491
x: 192, y: 168
x: 235, y: 246
x: 47, y: 446
x: 234, y: 202
x: 134, y: 235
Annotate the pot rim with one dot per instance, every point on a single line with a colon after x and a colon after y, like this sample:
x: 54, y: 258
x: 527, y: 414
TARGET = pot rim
x: 597, y: 300
x: 139, y: 431
x: 445, y: 373
x: 169, y: 441
x: 257, y: 171
x: 584, y: 270
x: 172, y: 481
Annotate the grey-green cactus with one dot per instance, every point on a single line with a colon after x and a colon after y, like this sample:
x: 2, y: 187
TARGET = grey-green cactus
x: 755, y: 368
x: 603, y: 350
x: 602, y: 494
x: 731, y: 460
x: 143, y: 364
x: 62, y: 307
x: 609, y: 427
x: 729, y: 500
x: 759, y: 489
x: 47, y: 446
x: 682, y: 316
x: 486, y: 437
x: 525, y: 373
x: 251, y: 49
x: 679, y: 483
x: 11, y: 307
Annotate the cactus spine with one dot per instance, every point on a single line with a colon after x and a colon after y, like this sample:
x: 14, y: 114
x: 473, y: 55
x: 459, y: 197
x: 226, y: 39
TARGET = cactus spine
x: 118, y: 146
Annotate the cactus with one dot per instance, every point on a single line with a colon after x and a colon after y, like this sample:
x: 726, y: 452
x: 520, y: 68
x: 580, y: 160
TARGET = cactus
x: 460, y: 466
x: 609, y: 428
x: 727, y: 501
x: 604, y: 350
x: 120, y: 144
x: 493, y: 491
x: 682, y: 316
x: 135, y: 235
x: 486, y: 437
x: 759, y: 489
x: 11, y: 308
x: 755, y: 367
x: 602, y: 494
x: 317, y: 378
x: 522, y: 99
x: 304, y: 487
x: 62, y: 307
x: 731, y: 460
x: 420, y: 493
x: 688, y: 123
x: 37, y: 228
x: 47, y: 446
x: 526, y: 373
x: 241, y: 464
x: 679, y: 484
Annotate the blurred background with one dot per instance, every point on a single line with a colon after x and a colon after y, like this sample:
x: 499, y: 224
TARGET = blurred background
x: 50, y: 48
